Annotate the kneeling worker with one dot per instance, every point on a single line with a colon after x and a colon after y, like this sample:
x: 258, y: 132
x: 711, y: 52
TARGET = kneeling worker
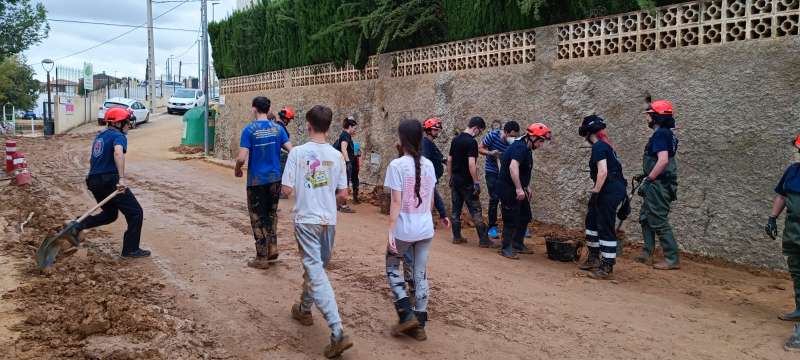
x: 107, y: 175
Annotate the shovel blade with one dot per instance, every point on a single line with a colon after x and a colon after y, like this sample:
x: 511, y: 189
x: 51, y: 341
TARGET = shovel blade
x: 48, y: 250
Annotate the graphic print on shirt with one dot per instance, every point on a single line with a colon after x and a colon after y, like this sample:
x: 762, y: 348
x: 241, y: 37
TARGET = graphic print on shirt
x: 97, y: 149
x: 265, y: 133
x: 318, y: 173
x: 410, y: 200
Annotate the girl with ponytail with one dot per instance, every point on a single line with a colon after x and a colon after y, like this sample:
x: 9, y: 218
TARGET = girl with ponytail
x: 411, y: 179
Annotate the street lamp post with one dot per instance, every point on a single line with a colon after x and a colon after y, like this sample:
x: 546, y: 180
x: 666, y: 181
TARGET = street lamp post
x: 213, y: 13
x: 49, y: 126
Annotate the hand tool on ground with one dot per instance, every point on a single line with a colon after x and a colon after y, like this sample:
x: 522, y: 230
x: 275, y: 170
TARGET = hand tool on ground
x: 48, y: 250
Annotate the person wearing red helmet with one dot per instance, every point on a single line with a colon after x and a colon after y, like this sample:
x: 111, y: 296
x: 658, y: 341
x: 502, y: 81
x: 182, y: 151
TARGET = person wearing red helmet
x: 285, y: 116
x: 516, y: 168
x: 659, y: 186
x: 107, y: 175
x: 432, y: 128
x: 607, y: 194
x: 788, y: 197
x: 493, y: 145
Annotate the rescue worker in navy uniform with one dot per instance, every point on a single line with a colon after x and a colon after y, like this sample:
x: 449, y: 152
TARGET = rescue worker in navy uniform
x: 788, y: 197
x: 513, y: 183
x: 607, y: 194
x: 659, y: 186
x: 107, y: 175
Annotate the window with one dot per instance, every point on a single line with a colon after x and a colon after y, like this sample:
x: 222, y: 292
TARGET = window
x: 111, y: 105
x: 185, y: 93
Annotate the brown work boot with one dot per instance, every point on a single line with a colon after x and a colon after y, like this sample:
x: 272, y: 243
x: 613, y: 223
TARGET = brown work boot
x: 459, y: 240
x: 338, y: 346
x: 591, y: 263
x: 304, y: 318
x: 418, y: 333
x: 645, y: 259
x: 603, y: 272
x: 666, y: 266
x: 260, y: 262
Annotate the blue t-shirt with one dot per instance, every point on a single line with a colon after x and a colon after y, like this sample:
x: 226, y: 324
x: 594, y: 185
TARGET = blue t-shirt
x: 602, y: 151
x: 264, y: 139
x: 517, y: 151
x: 790, y: 181
x: 102, y: 161
x: 662, y: 140
x: 494, y: 141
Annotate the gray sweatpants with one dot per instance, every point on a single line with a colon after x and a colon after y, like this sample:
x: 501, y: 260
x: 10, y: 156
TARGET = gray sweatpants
x: 316, y: 246
x: 420, y: 262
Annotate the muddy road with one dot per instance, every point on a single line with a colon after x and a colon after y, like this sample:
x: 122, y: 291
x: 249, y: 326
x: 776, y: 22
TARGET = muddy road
x: 482, y: 306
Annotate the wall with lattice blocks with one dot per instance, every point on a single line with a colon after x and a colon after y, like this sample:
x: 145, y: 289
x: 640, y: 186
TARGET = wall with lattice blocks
x: 684, y: 25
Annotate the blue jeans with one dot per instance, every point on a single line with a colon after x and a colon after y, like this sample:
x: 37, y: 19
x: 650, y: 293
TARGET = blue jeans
x: 316, y: 246
x: 494, y: 198
x: 397, y: 282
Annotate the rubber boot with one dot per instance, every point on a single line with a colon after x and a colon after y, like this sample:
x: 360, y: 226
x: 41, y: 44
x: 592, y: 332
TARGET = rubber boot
x: 507, y: 249
x: 457, y: 238
x: 356, y: 201
x: 483, y: 237
x: 519, y: 242
x: 793, y: 343
x: 418, y: 333
x: 407, y: 318
x: 794, y: 315
x: 592, y: 260
x: 604, y: 272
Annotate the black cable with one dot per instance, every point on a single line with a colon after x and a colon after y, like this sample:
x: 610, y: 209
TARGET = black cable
x: 117, y: 25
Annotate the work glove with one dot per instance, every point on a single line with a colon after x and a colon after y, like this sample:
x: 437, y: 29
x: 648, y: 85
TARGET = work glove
x: 476, y: 188
x: 646, y: 183
x: 624, y: 210
x: 772, y: 227
x: 593, y: 199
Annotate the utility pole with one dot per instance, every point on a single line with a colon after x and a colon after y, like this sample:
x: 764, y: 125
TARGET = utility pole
x: 199, y: 64
x: 204, y: 35
x: 151, y: 58
x: 180, y: 67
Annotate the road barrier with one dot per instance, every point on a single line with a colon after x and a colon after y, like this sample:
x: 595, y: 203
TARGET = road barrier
x: 21, y: 174
x: 11, y: 148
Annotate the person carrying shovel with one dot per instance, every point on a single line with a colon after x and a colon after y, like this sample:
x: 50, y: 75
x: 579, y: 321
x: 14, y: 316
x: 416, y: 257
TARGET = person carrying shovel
x: 107, y: 175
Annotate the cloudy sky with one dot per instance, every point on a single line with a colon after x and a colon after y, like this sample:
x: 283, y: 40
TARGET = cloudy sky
x: 127, y: 56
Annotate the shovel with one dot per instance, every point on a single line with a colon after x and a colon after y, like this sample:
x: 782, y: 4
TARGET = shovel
x: 47, y: 252
x: 627, y: 202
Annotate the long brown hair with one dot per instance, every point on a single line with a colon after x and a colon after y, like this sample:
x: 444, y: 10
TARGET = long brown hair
x: 410, y: 133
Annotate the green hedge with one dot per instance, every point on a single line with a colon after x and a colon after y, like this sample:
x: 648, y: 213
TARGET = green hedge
x: 280, y: 34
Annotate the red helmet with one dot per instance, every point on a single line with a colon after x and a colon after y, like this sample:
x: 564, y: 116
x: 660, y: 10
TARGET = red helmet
x: 540, y: 130
x: 432, y: 123
x: 287, y: 113
x: 660, y: 107
x: 797, y: 142
x: 115, y: 115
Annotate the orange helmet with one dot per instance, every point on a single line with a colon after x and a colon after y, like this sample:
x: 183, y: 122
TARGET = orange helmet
x: 432, y: 123
x: 287, y: 113
x: 660, y: 107
x: 540, y: 130
x: 115, y: 115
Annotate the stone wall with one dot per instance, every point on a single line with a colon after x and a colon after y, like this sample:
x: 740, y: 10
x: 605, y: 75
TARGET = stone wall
x: 737, y: 106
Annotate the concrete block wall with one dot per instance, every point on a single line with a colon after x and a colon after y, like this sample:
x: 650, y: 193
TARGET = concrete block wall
x: 737, y: 107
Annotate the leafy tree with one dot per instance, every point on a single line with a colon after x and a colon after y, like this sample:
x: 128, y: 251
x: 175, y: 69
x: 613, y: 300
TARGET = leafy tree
x: 17, y: 85
x: 21, y: 26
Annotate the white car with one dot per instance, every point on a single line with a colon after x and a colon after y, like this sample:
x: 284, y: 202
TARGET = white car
x: 184, y: 100
x: 140, y: 112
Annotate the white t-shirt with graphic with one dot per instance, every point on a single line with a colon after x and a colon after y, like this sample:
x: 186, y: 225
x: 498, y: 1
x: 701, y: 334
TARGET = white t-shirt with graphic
x: 415, y: 221
x: 315, y: 171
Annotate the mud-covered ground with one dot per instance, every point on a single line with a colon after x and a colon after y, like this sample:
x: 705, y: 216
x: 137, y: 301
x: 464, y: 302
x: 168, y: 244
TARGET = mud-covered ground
x: 196, y: 298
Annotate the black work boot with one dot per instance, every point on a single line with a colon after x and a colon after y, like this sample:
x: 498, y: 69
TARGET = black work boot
x: 793, y: 342
x: 507, y: 249
x: 356, y: 201
x: 592, y: 260
x: 483, y: 237
x: 457, y: 238
x: 604, y: 272
x: 407, y: 318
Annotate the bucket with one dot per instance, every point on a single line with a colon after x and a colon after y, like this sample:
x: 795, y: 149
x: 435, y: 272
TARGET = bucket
x: 562, y: 249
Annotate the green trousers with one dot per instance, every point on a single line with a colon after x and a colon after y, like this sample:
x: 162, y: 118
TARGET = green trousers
x: 791, y: 242
x: 654, y: 219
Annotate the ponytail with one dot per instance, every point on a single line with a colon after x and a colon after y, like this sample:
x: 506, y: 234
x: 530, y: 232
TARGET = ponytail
x: 603, y: 136
x: 417, y: 176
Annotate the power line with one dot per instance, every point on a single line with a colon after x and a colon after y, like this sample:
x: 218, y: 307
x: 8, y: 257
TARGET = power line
x: 117, y: 25
x: 120, y: 35
x: 187, y: 50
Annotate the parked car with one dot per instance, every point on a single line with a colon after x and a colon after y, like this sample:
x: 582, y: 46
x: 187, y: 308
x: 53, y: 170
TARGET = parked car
x: 140, y: 113
x: 29, y: 115
x: 184, y: 100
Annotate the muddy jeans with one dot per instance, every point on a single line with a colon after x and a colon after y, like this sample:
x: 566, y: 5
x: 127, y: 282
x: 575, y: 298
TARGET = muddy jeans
x: 316, y: 246
x: 464, y: 195
x: 262, y: 204
x: 420, y: 262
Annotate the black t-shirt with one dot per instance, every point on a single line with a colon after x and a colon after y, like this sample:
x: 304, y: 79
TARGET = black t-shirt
x: 351, y: 152
x: 517, y: 151
x: 662, y: 140
x: 462, y: 148
x: 603, y: 151
x: 432, y: 153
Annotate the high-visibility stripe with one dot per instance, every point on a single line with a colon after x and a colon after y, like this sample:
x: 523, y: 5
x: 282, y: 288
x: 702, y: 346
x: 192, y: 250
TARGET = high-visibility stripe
x: 592, y: 244
x: 591, y: 232
x: 11, y: 149
x: 607, y: 243
x: 607, y: 255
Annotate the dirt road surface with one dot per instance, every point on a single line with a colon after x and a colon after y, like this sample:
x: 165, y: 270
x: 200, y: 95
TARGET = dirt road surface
x: 482, y: 306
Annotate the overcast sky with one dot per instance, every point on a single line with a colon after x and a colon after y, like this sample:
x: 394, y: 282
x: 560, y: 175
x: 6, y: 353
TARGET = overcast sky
x: 127, y: 56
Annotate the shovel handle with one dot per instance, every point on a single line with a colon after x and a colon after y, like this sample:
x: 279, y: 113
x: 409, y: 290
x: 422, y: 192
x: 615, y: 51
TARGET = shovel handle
x: 99, y: 205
